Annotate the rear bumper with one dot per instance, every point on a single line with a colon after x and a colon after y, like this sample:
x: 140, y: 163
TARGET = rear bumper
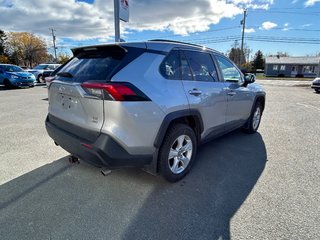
x: 104, y: 151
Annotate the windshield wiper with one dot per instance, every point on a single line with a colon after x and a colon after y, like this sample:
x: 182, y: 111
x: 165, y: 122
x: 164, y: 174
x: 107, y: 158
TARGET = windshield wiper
x: 65, y: 74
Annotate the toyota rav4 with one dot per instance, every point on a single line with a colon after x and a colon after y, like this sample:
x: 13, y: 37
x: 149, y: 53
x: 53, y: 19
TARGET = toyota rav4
x: 149, y: 104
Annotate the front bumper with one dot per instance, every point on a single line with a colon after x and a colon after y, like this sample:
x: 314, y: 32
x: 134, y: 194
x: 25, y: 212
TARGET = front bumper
x: 22, y: 83
x: 315, y: 86
x: 104, y: 151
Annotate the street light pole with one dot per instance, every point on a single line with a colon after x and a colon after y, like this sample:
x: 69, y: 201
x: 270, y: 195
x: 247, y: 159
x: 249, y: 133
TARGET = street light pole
x: 54, y: 43
x: 116, y: 21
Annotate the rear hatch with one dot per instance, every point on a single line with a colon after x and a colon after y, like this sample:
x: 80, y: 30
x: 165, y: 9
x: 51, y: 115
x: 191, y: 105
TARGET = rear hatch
x: 71, y: 107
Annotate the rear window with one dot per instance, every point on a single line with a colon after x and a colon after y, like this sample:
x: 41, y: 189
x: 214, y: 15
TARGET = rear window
x: 97, y: 64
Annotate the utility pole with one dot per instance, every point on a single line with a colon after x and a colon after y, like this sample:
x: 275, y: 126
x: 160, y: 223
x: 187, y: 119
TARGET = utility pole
x: 54, y: 43
x: 243, y: 23
x: 116, y: 21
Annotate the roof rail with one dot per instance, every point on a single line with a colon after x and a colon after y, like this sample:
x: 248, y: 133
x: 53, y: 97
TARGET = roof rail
x: 172, y: 41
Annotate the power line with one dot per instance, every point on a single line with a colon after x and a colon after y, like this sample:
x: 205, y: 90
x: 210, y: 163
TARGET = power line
x: 259, y: 11
x: 289, y: 29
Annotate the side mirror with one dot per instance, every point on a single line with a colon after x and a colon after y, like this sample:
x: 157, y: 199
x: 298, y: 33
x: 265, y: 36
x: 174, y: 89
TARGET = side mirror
x: 249, y: 78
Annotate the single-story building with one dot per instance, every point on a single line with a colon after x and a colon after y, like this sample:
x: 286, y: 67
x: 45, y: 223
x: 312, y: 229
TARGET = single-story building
x: 292, y: 66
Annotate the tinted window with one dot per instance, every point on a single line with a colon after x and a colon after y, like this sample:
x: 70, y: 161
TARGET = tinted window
x: 229, y: 71
x: 41, y: 66
x: 201, y: 65
x: 12, y: 68
x: 170, y: 67
x: 186, y: 73
x: 91, y: 65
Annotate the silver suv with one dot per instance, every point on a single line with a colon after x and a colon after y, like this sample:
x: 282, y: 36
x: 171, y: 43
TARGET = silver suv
x: 149, y: 104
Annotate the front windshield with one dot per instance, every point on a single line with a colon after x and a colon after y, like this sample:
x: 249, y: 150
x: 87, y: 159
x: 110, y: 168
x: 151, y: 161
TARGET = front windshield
x: 41, y: 66
x: 12, y: 68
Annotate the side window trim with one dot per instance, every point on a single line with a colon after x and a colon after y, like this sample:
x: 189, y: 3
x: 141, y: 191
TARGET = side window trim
x: 183, y: 55
x: 219, y: 73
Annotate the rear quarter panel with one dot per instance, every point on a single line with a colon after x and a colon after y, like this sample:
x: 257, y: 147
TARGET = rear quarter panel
x: 135, y: 125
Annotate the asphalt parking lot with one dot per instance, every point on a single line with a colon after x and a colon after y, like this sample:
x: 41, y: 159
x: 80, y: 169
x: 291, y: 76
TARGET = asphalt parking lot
x: 261, y: 186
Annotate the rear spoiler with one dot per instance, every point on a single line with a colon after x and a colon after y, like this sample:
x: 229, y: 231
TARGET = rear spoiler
x: 110, y: 47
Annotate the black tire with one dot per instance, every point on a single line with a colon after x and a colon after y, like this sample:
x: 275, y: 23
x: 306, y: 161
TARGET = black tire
x: 7, y: 84
x: 171, y: 138
x: 251, y: 126
x: 39, y: 78
x: 317, y: 90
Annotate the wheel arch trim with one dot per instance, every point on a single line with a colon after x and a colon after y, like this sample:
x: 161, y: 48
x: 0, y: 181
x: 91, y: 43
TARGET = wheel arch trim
x: 176, y: 115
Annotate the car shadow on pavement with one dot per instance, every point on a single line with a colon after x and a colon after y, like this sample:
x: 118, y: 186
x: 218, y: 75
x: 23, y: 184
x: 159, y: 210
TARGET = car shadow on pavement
x: 61, y: 200
x: 202, y: 205
x: 3, y: 88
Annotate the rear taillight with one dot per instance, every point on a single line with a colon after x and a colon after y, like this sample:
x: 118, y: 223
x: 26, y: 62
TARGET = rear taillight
x: 120, y: 91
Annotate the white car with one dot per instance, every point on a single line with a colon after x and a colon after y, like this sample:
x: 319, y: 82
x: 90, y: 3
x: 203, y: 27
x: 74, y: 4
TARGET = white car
x: 316, y: 84
x: 39, y: 70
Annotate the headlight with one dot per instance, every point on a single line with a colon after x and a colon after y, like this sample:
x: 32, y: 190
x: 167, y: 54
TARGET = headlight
x: 14, y: 76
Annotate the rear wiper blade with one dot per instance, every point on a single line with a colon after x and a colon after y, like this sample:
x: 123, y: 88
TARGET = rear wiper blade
x: 65, y: 74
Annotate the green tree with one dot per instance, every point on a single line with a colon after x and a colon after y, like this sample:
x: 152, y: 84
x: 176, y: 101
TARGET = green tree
x: 258, y: 60
x: 237, y: 56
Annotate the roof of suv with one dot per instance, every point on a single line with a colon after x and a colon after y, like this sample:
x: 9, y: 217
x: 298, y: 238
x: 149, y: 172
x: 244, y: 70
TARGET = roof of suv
x: 156, y: 44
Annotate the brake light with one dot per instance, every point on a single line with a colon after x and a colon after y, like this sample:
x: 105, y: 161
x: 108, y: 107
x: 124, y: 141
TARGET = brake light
x: 120, y: 91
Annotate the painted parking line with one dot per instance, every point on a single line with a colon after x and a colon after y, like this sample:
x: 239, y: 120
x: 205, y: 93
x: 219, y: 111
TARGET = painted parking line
x: 308, y: 106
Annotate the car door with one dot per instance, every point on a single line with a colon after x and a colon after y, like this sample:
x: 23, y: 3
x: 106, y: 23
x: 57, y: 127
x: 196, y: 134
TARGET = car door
x: 204, y: 91
x: 239, y: 96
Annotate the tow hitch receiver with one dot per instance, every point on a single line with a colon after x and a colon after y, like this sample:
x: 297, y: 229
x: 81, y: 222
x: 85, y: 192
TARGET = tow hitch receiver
x: 73, y: 159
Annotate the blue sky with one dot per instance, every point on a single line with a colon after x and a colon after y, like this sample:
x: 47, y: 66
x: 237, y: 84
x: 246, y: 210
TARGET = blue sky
x: 271, y: 26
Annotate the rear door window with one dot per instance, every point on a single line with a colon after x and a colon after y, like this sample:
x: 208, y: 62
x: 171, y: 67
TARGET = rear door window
x: 170, y: 67
x: 201, y: 65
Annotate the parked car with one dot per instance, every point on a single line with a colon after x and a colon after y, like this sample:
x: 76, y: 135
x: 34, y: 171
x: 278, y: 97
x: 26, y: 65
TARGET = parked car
x: 14, y: 76
x: 39, y: 70
x: 24, y: 68
x: 48, y: 79
x: 149, y: 104
x: 316, y: 84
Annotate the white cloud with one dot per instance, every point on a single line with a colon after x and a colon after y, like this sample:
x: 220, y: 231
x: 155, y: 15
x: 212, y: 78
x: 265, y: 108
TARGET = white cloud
x: 311, y: 2
x: 249, y: 30
x: 79, y: 20
x: 306, y: 25
x: 268, y: 25
x: 286, y: 27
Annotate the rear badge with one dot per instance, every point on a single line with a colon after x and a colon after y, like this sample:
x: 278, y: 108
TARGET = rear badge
x: 95, y: 119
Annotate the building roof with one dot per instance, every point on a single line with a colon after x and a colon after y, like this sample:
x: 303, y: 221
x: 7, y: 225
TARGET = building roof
x: 293, y: 60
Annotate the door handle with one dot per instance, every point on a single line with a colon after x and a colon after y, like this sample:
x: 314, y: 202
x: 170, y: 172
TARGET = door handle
x: 195, y: 92
x: 231, y: 93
